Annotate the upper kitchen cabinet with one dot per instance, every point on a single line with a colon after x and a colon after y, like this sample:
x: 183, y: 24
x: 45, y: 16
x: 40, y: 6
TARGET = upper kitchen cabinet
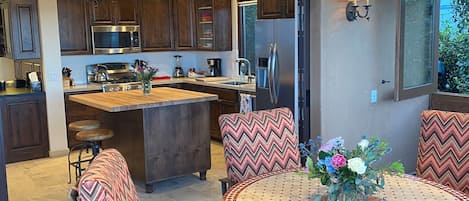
x: 74, y: 27
x: 184, y: 24
x: 167, y: 25
x: 20, y: 29
x: 274, y: 9
x: 213, y: 24
x: 114, y: 12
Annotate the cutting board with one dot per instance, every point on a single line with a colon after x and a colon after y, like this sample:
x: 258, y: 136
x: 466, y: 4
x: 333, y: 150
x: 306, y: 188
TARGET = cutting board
x: 211, y: 79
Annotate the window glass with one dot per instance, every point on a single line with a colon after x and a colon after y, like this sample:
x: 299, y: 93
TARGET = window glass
x: 247, y: 20
x: 417, y: 48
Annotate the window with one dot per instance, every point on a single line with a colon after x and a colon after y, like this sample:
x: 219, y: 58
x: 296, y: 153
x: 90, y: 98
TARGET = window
x: 417, y: 48
x: 247, y: 19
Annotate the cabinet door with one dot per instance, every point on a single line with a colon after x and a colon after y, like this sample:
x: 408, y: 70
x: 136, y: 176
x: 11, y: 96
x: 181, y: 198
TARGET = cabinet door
x: 269, y: 9
x: 102, y: 12
x: 73, y: 27
x: 289, y: 9
x: 184, y: 24
x: 215, y: 112
x: 25, y: 127
x: 222, y: 25
x: 24, y: 29
x: 3, y: 179
x: 125, y: 12
x: 273, y: 9
x: 156, y: 29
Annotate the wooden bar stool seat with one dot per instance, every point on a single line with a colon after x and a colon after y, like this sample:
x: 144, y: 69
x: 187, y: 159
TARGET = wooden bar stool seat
x: 84, y: 125
x: 95, y: 135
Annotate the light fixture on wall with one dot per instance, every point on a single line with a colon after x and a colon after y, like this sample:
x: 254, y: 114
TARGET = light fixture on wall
x: 352, y: 12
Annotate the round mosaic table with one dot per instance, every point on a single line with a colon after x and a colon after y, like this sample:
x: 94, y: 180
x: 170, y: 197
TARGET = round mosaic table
x: 294, y: 186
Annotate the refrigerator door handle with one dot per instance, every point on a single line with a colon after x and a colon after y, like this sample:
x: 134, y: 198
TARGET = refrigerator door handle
x: 275, y: 75
x: 269, y: 72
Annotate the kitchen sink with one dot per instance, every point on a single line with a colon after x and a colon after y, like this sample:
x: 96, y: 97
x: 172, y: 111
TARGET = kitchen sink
x: 235, y: 83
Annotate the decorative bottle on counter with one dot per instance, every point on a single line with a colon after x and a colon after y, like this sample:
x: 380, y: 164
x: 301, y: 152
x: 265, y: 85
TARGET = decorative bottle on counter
x: 146, y: 85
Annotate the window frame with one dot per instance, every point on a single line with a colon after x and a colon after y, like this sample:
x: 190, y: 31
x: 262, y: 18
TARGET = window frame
x: 401, y: 93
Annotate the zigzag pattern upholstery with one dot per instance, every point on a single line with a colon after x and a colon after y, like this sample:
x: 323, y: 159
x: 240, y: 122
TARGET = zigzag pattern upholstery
x: 258, y: 142
x: 443, y: 151
x: 107, y: 179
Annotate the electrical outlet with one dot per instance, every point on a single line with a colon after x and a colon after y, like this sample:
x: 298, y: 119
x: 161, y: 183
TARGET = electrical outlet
x: 374, y: 96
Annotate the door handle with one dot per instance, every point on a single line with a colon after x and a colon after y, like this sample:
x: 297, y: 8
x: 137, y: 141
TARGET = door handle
x: 275, y: 74
x: 269, y: 72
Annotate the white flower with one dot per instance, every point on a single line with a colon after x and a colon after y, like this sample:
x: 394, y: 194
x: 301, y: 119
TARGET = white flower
x: 357, y: 165
x: 363, y: 144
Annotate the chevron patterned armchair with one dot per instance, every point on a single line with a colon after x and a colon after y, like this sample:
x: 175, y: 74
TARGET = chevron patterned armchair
x: 443, y: 151
x: 107, y: 178
x: 258, y: 142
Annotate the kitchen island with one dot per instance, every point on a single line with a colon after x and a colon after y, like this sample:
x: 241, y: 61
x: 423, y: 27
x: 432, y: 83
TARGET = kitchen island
x: 163, y: 135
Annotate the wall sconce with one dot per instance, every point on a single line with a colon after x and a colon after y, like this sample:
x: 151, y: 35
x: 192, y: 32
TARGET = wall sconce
x: 352, y: 12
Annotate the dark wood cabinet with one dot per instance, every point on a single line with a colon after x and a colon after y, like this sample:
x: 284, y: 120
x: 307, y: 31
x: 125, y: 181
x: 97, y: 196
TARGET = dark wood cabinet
x: 156, y: 28
x: 114, y: 12
x: 75, y: 112
x: 213, y: 19
x: 24, y: 121
x: 74, y: 27
x: 228, y: 102
x: 184, y: 24
x: 21, y: 31
x: 3, y: 179
x: 274, y: 9
x: 167, y: 25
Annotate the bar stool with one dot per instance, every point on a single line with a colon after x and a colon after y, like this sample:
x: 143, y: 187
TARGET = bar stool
x: 77, y: 126
x: 91, y: 139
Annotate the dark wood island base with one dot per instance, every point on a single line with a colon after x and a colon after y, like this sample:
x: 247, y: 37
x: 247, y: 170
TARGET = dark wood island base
x: 163, y: 135
x: 162, y: 142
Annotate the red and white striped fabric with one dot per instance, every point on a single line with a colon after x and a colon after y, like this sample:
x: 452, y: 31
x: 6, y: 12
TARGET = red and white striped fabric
x: 107, y: 178
x: 259, y: 142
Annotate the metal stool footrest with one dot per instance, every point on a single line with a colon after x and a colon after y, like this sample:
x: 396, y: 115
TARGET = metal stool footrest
x: 79, y: 164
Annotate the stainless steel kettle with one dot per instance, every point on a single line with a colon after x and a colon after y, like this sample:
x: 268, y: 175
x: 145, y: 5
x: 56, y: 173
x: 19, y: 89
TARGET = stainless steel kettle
x: 101, y: 74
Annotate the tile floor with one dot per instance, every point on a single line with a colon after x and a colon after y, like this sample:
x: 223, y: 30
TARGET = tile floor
x: 46, y: 179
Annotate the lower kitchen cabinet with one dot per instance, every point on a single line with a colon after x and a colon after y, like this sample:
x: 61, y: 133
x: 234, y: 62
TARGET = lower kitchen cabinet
x: 24, y: 127
x: 228, y: 102
x: 3, y: 179
x: 75, y: 112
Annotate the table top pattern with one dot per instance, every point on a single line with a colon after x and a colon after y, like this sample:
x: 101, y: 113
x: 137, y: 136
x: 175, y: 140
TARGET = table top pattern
x: 295, y: 186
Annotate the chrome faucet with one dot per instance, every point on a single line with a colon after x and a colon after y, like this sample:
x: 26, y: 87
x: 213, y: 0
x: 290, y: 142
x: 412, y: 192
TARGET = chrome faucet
x: 243, y: 60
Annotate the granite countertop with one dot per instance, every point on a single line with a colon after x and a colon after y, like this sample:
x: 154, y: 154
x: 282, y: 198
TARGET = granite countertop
x: 11, y: 91
x: 134, y: 99
x: 245, y: 87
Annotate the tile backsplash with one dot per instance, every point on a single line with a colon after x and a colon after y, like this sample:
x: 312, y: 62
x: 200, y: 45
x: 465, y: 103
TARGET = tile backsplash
x: 163, y: 60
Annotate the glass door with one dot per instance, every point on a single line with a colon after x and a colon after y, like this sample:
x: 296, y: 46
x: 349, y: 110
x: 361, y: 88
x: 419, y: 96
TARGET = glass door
x: 204, y: 24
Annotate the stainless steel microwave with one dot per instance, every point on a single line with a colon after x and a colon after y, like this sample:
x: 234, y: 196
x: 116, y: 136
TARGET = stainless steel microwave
x: 109, y: 39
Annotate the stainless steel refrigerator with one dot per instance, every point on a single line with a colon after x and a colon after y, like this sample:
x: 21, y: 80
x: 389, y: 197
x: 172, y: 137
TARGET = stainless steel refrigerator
x: 275, y: 65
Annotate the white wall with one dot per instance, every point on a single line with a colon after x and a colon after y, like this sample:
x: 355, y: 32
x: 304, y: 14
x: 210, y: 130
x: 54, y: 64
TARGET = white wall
x: 163, y: 60
x: 51, y: 67
x: 354, y: 58
x: 7, y: 69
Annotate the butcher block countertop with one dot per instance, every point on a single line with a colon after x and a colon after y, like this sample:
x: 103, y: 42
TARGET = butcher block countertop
x: 134, y: 99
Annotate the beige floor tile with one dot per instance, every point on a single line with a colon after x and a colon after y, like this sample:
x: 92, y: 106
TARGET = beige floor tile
x: 46, y: 179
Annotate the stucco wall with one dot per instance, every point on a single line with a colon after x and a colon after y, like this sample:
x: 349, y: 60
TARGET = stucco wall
x: 354, y: 58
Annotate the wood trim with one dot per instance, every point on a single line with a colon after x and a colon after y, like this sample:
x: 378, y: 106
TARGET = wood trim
x: 450, y: 102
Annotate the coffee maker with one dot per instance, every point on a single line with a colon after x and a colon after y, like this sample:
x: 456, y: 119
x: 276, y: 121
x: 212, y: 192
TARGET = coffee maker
x: 214, y: 67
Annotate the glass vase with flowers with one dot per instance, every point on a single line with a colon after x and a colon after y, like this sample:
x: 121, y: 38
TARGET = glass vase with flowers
x: 349, y: 174
x: 145, y: 74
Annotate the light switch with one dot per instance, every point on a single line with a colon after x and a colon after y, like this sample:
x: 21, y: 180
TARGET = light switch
x: 374, y: 96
